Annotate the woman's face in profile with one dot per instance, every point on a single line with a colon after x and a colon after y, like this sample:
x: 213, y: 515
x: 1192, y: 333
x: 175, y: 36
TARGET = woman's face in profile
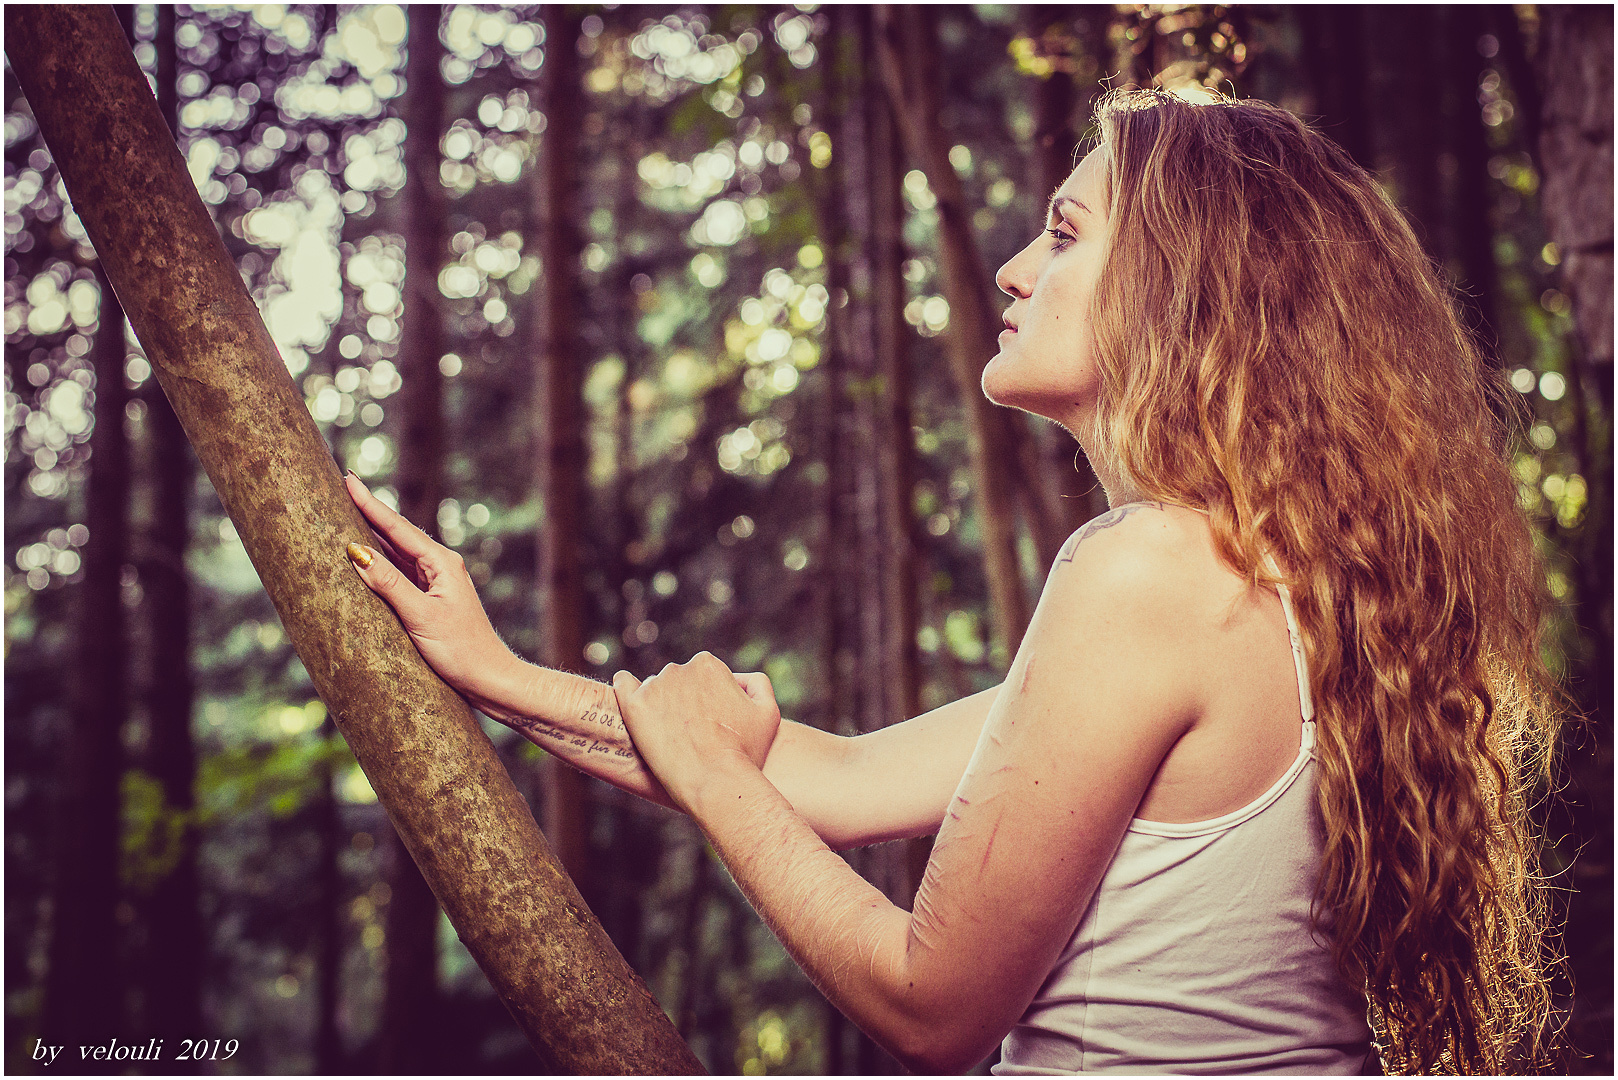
x: 1046, y: 362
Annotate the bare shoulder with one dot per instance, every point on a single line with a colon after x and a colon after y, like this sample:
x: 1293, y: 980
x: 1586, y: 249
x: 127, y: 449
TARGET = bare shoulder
x: 1121, y: 616
x: 1149, y: 564
x: 1141, y: 538
x: 1138, y: 592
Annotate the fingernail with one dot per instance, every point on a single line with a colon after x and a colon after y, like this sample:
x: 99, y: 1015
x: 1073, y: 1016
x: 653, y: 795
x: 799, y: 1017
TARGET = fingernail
x: 361, y: 555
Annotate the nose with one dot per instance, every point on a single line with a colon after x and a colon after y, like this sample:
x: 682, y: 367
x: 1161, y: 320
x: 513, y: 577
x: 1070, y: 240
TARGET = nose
x: 1016, y: 277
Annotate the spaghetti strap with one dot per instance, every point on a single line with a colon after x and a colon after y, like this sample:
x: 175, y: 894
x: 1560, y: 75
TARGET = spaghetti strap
x: 1306, y: 700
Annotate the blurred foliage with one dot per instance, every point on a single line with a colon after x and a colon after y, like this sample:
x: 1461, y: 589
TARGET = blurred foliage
x: 708, y: 416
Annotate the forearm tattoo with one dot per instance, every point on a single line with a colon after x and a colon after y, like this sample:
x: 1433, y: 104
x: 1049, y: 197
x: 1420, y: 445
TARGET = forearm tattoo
x: 595, y: 729
x: 1096, y: 524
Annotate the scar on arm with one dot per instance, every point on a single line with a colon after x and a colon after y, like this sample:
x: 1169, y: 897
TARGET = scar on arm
x: 1027, y: 677
x: 988, y: 848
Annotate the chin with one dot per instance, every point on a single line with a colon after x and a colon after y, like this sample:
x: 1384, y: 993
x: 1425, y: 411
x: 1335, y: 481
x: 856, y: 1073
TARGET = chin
x: 1001, y: 386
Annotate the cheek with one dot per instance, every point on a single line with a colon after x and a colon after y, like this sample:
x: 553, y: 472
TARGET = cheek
x: 1061, y: 323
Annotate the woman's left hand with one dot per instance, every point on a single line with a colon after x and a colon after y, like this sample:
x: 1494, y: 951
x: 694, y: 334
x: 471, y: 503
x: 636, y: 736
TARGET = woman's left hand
x: 694, y: 724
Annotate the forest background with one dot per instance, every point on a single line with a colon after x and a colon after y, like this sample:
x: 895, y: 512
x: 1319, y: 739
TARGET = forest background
x: 669, y: 320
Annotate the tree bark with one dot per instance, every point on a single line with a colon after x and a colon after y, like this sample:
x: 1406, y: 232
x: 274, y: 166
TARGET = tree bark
x: 896, y: 440
x: 409, y: 1014
x: 908, y: 49
x: 1576, y: 148
x: 432, y: 768
x: 873, y: 167
x: 84, y: 984
x: 560, y: 394
x: 860, y: 226
x: 1576, y: 195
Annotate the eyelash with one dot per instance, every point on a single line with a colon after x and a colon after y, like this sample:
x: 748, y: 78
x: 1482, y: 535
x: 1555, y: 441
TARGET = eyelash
x: 1062, y: 239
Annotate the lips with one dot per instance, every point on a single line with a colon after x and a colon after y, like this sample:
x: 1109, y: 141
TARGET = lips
x: 1009, y: 325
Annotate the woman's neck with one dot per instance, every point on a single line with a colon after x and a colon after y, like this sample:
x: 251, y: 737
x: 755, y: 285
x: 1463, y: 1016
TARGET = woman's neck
x: 1119, y: 486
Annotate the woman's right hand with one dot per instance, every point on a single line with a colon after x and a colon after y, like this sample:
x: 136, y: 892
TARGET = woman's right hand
x: 428, y: 587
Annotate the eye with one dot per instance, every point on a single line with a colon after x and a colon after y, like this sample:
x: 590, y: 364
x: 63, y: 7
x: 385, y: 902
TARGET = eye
x: 1061, y: 238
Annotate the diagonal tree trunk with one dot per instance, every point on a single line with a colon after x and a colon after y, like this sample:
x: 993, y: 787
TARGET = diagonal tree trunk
x: 560, y: 394
x: 908, y: 52
x: 434, y: 771
x: 411, y: 990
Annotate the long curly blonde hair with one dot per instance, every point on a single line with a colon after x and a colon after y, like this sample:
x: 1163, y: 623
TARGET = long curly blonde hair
x: 1275, y: 348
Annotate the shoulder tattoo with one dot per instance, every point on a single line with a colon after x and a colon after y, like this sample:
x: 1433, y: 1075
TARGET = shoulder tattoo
x: 1096, y: 524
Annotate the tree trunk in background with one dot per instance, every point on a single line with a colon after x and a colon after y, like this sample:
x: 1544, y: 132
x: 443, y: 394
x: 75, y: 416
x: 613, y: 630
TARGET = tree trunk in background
x: 907, y: 45
x: 1576, y: 148
x: 844, y: 222
x: 1334, y: 49
x: 409, y: 1014
x: 845, y: 208
x: 896, y: 440
x: 329, y: 933
x: 1055, y: 98
x: 881, y: 174
x: 431, y: 766
x: 1093, y: 30
x: 1472, y: 250
x: 560, y: 399
x: 172, y: 973
x: 630, y: 865
x: 84, y: 985
x: 1137, y: 55
x: 1073, y: 43
x: 834, y: 599
x: 1503, y: 22
x: 1418, y: 87
x: 1575, y: 158
x: 1576, y: 193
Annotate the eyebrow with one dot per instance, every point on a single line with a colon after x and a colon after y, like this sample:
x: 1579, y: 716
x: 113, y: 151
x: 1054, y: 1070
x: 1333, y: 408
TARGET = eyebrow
x: 1058, y: 200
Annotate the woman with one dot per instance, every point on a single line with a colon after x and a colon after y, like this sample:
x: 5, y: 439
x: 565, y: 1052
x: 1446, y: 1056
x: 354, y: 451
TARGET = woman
x: 1256, y: 783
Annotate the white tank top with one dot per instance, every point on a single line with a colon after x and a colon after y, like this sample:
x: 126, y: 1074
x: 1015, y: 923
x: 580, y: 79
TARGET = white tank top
x: 1195, y: 955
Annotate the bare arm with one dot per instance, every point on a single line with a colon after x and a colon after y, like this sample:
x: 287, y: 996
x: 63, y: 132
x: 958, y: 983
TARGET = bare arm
x: 888, y: 784
x: 573, y: 718
x: 1104, y: 684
